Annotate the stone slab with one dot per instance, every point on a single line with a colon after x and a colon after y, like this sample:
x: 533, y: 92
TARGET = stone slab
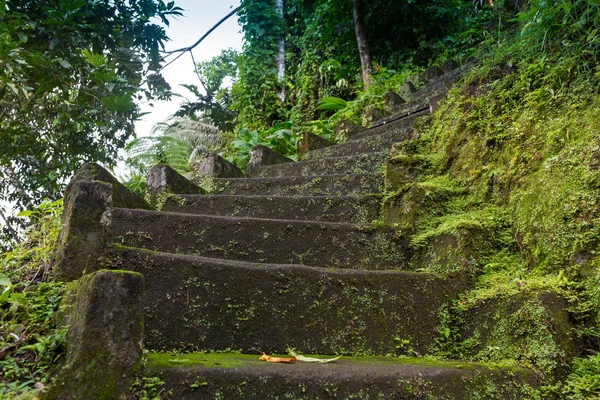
x: 218, y: 304
x: 322, y: 244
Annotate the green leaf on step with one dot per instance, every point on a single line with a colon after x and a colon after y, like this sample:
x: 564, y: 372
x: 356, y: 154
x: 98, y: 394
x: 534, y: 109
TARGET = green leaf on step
x: 312, y: 359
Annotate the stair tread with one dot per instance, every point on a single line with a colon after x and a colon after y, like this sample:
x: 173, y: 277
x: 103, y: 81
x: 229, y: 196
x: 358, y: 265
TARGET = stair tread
x: 333, y: 158
x: 378, y: 138
x: 225, y: 262
x: 371, y: 365
x: 237, y: 376
x: 266, y: 196
x: 286, y: 178
x: 312, y: 208
x: 316, y: 243
x: 227, y: 219
x: 332, y: 184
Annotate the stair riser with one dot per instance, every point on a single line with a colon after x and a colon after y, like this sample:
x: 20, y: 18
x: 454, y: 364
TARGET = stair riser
x: 378, y: 139
x: 224, y: 306
x: 326, y: 382
x: 400, y: 125
x: 330, y: 209
x: 341, y: 185
x: 361, y: 164
x: 268, y: 241
x: 381, y: 142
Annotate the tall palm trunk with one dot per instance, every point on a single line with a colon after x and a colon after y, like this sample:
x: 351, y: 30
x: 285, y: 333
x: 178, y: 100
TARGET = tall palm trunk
x: 281, y: 53
x: 361, y: 39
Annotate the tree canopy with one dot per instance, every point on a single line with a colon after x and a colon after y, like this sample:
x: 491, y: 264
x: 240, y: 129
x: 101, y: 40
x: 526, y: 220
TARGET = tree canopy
x: 322, y: 57
x: 71, y: 72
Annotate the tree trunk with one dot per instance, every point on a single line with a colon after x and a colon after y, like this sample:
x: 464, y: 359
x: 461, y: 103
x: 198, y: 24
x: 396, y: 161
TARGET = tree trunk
x: 281, y: 53
x: 361, y: 39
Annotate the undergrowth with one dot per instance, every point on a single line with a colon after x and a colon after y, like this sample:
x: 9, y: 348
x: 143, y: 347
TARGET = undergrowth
x: 520, y: 134
x: 30, y: 340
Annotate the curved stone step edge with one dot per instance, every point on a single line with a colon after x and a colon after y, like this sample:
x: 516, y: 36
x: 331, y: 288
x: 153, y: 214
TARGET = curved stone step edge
x: 315, y: 243
x: 334, y: 184
x: 382, y: 141
x: 226, y: 219
x: 240, y: 376
x: 317, y: 208
x: 324, y: 165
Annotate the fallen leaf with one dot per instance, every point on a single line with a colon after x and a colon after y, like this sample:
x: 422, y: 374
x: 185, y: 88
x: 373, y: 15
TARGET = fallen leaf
x: 270, y: 359
x: 314, y: 360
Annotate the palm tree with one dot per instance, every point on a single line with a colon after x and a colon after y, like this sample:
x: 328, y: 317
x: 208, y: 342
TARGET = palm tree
x: 201, y: 137
x: 177, y: 142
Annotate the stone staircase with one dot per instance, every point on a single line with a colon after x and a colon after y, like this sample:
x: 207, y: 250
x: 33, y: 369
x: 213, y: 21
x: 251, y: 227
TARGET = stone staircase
x: 297, y: 256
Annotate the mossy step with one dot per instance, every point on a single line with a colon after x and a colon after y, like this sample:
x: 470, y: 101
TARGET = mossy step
x: 359, y: 209
x: 399, y: 125
x: 316, y: 243
x: 380, y: 140
x: 338, y: 185
x: 243, y: 376
x: 354, y: 164
x: 220, y: 304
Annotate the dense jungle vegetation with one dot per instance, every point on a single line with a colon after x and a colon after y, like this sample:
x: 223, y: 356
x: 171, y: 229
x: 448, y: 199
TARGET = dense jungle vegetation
x: 513, y: 153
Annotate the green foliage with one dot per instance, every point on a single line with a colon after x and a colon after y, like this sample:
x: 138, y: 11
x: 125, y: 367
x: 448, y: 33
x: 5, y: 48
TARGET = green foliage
x: 145, y: 152
x: 214, y: 105
x: 331, y: 103
x: 71, y: 73
x: 383, y: 80
x: 281, y: 138
x: 584, y: 380
x: 30, y: 341
x: 520, y: 135
x: 255, y: 92
x: 33, y: 258
x: 147, y: 388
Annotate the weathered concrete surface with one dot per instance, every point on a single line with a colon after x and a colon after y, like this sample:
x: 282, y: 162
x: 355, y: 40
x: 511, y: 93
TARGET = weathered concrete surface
x: 381, y: 142
x: 323, y: 244
x: 432, y: 73
x: 450, y: 66
x: 320, y: 185
x: 393, y: 99
x: 121, y: 195
x: 261, y: 156
x: 400, y: 125
x: 87, y: 229
x: 310, y: 141
x: 239, y: 376
x: 104, y: 312
x: 347, y: 129
x: 351, y: 209
x: 218, y: 304
x: 163, y: 180
x: 366, y: 163
x: 216, y: 166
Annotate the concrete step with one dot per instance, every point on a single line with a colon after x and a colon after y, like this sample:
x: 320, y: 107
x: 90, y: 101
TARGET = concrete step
x: 241, y: 376
x: 381, y: 142
x: 352, y: 209
x: 220, y: 304
x: 368, y: 163
x: 399, y: 125
x: 320, y: 244
x: 329, y: 185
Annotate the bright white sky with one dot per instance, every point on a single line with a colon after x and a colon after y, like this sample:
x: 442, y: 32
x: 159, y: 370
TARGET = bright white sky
x: 198, y: 17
